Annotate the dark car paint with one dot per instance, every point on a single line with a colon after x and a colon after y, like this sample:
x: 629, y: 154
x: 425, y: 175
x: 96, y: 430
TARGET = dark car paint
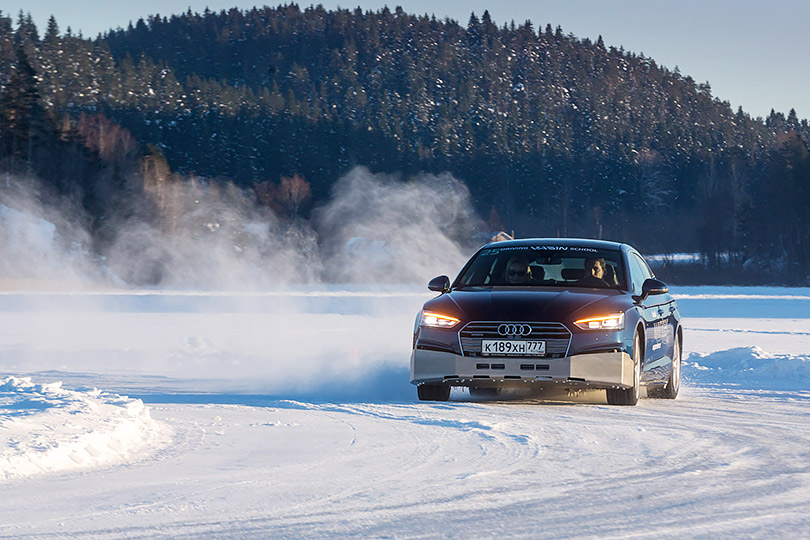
x: 656, y: 317
x: 661, y: 320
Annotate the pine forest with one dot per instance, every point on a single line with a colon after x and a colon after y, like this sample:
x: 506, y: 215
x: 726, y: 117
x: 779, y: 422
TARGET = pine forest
x: 552, y: 135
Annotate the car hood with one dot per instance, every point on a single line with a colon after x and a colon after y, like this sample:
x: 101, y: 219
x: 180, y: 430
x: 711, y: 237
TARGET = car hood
x: 528, y: 304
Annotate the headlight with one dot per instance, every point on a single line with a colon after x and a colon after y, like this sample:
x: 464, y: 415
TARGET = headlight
x: 437, y: 320
x: 614, y: 321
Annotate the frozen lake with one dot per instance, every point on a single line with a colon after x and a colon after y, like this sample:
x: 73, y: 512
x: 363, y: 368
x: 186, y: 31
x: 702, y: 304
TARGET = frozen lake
x: 289, y: 414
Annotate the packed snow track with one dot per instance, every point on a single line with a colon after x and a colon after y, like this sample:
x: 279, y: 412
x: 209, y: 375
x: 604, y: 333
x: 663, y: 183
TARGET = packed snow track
x: 225, y: 438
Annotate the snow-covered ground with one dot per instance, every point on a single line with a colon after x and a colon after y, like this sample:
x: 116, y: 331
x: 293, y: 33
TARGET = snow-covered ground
x: 289, y: 415
x: 49, y: 428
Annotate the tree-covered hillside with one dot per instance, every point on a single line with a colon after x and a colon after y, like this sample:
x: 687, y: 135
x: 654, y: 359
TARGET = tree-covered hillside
x: 553, y: 135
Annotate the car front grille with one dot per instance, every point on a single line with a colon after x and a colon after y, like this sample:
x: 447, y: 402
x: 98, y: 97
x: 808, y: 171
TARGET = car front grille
x: 556, y: 336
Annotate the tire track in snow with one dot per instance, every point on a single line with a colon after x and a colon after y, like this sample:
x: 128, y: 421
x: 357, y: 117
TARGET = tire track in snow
x: 713, y: 463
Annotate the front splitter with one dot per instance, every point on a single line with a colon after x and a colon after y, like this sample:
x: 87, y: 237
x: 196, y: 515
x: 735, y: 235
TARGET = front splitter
x: 595, y: 370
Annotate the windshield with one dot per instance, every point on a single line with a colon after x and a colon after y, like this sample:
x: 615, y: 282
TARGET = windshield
x: 545, y: 266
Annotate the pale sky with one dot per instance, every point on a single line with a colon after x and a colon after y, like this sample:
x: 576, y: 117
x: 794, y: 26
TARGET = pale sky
x: 754, y: 53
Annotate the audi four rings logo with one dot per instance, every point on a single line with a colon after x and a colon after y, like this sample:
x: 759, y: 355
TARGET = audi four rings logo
x: 514, y: 329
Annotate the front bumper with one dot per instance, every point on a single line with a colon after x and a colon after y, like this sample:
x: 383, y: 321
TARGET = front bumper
x: 594, y: 370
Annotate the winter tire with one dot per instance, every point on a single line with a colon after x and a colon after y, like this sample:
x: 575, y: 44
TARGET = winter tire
x: 670, y: 390
x: 629, y: 396
x: 433, y: 392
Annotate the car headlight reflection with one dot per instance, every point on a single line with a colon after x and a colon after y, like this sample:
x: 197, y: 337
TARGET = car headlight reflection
x: 614, y: 321
x: 437, y: 320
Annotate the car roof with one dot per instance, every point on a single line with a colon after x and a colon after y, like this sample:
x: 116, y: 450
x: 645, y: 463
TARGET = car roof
x: 572, y: 242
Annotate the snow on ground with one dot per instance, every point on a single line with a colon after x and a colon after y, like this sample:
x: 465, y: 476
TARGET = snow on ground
x: 46, y: 428
x: 289, y: 415
x: 752, y: 367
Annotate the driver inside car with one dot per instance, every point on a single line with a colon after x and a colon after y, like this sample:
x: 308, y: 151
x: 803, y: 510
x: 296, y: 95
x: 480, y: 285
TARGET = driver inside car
x: 518, y: 272
x: 594, y: 273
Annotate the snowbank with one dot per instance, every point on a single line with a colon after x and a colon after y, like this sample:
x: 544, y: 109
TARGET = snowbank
x: 47, y: 428
x: 750, y: 367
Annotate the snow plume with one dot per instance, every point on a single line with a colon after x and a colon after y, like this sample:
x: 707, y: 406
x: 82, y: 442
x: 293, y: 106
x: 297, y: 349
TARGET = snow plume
x: 213, y: 237
x: 192, y: 234
x: 38, y: 241
x: 374, y: 229
x: 379, y: 229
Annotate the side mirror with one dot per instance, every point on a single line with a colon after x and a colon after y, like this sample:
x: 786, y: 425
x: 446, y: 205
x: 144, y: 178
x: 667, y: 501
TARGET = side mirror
x: 651, y: 287
x: 439, y: 284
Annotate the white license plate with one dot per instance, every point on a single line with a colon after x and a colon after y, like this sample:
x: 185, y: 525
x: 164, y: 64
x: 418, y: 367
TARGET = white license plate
x: 508, y: 346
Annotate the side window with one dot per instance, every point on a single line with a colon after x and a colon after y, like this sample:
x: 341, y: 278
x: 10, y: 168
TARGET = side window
x: 645, y: 268
x: 480, y: 271
x: 638, y: 272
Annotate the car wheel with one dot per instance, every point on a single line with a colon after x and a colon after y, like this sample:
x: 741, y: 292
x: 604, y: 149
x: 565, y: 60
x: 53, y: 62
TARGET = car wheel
x: 433, y: 392
x: 674, y: 384
x: 629, y: 396
x: 670, y: 390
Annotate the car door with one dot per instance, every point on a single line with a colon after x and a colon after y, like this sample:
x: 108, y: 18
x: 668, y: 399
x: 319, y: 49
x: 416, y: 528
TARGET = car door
x: 648, y: 311
x: 667, y: 323
x: 658, y: 320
